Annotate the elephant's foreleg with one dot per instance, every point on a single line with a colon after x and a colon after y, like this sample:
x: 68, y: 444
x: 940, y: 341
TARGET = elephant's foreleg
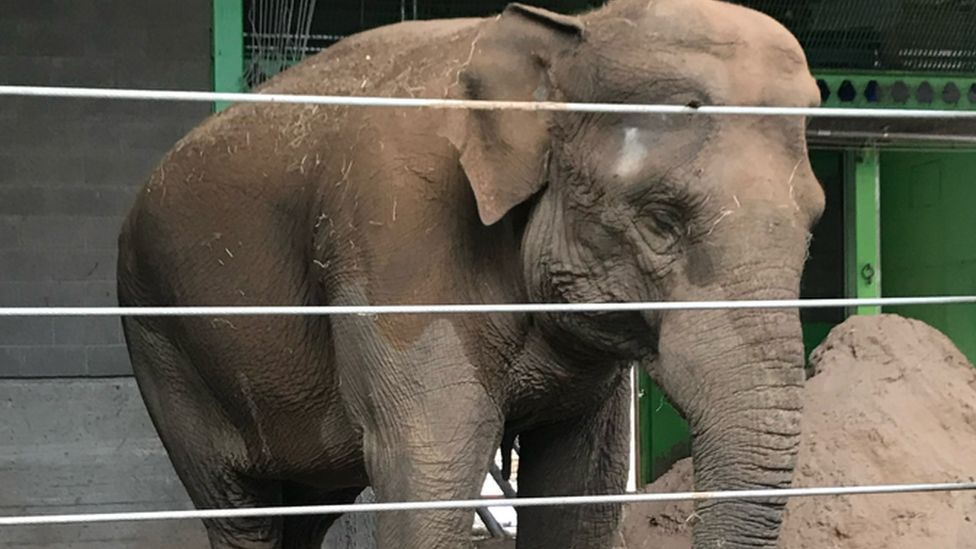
x: 437, y: 447
x: 430, y: 428
x: 586, y: 456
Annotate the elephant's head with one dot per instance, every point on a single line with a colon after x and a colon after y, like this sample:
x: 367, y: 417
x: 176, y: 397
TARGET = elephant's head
x: 625, y: 207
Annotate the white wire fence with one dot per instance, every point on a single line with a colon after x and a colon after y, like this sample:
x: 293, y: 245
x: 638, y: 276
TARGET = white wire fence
x: 369, y: 310
x: 410, y: 102
x: 198, y: 96
x: 772, y: 493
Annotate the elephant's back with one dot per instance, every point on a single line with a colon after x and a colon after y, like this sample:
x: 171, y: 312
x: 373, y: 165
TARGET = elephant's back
x: 410, y: 59
x: 406, y: 55
x: 230, y: 178
x: 277, y: 151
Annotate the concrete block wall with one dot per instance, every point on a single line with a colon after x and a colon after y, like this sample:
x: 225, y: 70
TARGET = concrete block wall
x: 69, y: 169
x: 88, y: 446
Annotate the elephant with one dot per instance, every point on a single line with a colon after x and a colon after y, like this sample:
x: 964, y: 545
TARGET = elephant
x: 303, y: 204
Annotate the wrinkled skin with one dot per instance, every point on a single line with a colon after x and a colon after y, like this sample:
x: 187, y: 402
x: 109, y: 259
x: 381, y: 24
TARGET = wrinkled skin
x: 291, y: 205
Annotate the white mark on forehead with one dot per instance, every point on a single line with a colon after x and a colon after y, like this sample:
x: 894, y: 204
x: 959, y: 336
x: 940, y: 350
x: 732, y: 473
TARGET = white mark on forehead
x: 632, y: 155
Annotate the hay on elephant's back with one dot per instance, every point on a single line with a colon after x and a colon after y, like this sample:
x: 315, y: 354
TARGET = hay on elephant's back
x: 891, y: 401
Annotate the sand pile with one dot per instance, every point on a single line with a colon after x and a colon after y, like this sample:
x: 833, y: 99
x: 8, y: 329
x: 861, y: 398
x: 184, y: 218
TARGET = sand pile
x: 891, y: 400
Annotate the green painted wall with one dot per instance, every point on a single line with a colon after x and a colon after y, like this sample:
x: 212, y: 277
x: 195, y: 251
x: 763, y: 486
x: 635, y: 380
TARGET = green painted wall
x: 862, y: 216
x: 928, y: 237
x: 227, y: 35
x: 663, y: 436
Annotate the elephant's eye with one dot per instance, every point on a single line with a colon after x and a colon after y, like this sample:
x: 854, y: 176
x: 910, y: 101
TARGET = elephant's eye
x: 671, y: 215
x: 665, y: 220
x: 659, y: 228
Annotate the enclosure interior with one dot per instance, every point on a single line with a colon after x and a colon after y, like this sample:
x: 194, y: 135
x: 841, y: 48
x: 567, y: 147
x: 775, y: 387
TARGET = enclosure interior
x: 889, y: 53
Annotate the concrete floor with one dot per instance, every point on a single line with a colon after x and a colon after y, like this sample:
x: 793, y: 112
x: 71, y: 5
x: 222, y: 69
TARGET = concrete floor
x: 85, y: 447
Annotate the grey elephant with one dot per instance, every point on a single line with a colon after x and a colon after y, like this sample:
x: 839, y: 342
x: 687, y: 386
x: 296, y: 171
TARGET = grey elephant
x: 312, y: 205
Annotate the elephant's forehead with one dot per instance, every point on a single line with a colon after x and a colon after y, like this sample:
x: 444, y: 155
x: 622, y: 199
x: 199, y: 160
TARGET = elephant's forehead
x: 716, y: 24
x: 736, y: 54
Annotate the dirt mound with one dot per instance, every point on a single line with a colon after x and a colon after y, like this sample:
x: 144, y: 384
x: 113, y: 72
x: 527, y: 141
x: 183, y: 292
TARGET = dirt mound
x: 891, y: 401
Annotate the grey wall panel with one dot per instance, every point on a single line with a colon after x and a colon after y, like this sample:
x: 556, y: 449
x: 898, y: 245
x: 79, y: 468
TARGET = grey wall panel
x: 69, y: 169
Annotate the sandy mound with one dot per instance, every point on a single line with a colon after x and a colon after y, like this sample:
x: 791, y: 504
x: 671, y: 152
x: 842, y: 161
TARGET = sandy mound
x: 891, y: 401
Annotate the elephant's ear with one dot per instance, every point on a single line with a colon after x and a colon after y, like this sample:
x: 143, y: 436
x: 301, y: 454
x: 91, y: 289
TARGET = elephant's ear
x: 503, y: 153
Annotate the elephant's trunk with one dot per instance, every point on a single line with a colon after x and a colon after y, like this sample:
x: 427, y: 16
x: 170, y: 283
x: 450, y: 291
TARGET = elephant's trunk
x: 737, y: 375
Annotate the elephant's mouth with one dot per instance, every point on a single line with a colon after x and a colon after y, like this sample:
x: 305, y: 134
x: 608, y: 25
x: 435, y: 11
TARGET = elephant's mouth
x: 603, y: 335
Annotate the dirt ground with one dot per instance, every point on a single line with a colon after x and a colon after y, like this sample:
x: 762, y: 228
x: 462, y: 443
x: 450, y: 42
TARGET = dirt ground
x: 891, y: 400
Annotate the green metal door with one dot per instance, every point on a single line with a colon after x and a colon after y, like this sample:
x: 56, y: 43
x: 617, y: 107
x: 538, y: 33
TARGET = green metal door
x: 928, y: 236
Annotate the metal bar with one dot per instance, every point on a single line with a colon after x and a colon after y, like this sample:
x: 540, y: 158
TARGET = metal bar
x: 491, y: 523
x: 228, y: 48
x: 865, y: 197
x: 369, y: 310
x: 303, y: 35
x: 495, y: 528
x: 945, y: 148
x: 850, y: 231
x: 506, y: 487
x: 892, y: 136
x: 768, y: 493
x: 403, y: 102
x: 637, y: 426
x: 645, y: 429
x: 908, y: 84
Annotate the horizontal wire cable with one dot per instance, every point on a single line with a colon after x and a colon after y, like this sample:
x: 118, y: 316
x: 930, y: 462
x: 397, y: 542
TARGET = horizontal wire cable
x: 887, y: 137
x: 401, y: 102
x: 368, y: 310
x: 483, y: 502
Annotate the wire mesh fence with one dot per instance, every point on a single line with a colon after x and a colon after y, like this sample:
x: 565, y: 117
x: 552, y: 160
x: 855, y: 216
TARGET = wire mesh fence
x: 934, y: 36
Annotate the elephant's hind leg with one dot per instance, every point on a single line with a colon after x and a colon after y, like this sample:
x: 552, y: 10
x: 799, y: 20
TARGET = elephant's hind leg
x: 202, y: 445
